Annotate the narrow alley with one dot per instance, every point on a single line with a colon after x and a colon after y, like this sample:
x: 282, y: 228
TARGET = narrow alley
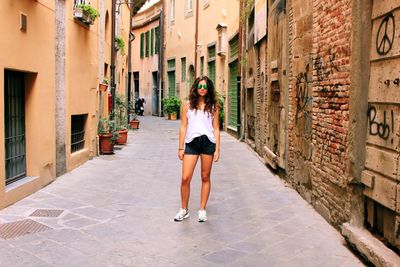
x: 118, y: 210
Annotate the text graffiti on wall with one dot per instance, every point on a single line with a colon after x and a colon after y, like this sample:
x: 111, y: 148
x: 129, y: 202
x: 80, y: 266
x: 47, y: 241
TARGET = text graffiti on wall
x: 382, y: 129
x: 325, y: 69
x: 385, y: 35
x: 302, y: 89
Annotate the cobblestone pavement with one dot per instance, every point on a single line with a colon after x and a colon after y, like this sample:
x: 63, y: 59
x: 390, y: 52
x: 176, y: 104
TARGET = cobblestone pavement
x: 118, y: 210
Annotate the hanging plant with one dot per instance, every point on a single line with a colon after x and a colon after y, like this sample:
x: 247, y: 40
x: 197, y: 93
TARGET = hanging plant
x: 120, y: 44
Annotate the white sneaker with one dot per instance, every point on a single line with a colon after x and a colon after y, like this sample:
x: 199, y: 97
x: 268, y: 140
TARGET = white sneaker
x: 202, y: 215
x: 182, y: 214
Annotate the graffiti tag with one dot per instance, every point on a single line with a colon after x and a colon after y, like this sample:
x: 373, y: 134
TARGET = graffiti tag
x: 381, y: 129
x: 385, y: 36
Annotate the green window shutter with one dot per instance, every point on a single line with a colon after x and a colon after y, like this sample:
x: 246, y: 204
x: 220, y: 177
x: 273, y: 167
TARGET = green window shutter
x: 171, y: 64
x: 171, y: 83
x: 191, y: 75
x: 152, y: 42
x: 232, y: 95
x: 234, y: 48
x: 211, y: 52
x: 147, y: 43
x: 211, y: 71
x: 183, y: 69
x: 201, y: 65
x: 142, y: 45
x: 157, y: 40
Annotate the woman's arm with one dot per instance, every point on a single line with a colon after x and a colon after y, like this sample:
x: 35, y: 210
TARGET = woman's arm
x: 182, y: 131
x: 216, y: 134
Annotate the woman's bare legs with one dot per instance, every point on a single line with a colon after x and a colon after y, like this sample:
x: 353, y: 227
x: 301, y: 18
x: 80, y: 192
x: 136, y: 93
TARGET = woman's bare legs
x: 206, y: 164
x: 188, y: 165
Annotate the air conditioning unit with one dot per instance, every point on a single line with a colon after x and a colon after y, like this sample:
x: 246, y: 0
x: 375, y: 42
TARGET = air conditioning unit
x: 222, y: 41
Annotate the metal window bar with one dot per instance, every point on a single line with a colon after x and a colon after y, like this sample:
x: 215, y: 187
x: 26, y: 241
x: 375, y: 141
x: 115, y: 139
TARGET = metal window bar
x: 77, y: 132
x: 14, y: 115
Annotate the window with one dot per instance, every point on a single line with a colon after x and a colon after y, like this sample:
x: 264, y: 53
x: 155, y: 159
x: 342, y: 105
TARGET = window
x: 142, y: 45
x: 206, y: 3
x: 157, y: 40
x: 171, y: 77
x: 201, y: 65
x: 183, y: 69
x: 172, y: 11
x: 79, y: 2
x: 211, y: 62
x: 77, y: 132
x: 152, y: 42
x: 147, y: 43
x: 189, y: 7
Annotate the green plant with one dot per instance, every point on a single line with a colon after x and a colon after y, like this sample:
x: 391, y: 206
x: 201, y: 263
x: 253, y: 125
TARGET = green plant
x: 120, y: 43
x: 131, y: 111
x: 92, y: 12
x: 171, y: 105
x: 120, y: 112
x: 220, y: 101
x: 105, y: 80
x: 107, y: 126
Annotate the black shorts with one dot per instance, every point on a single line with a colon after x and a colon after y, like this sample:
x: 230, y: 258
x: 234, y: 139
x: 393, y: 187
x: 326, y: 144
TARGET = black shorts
x: 200, y: 145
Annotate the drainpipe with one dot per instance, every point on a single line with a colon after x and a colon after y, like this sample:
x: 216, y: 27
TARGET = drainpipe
x: 112, y: 65
x: 130, y: 40
x: 239, y: 78
x: 196, y: 38
x: 160, y: 73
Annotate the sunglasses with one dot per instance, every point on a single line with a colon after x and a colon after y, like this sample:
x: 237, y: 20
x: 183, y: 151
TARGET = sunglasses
x: 204, y: 86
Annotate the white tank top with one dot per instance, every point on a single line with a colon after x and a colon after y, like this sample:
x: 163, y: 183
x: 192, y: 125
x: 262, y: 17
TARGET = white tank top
x: 199, y: 123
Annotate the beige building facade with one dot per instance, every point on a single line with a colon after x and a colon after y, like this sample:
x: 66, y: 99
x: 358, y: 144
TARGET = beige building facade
x: 202, y: 37
x: 52, y: 63
x: 146, y: 56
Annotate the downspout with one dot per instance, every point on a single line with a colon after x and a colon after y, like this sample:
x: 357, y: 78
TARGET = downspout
x: 288, y: 75
x: 239, y: 77
x: 196, y: 38
x: 130, y: 40
x: 160, y: 73
x: 112, y: 65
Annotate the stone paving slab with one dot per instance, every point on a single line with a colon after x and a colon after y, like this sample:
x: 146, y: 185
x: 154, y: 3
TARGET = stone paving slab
x: 118, y: 211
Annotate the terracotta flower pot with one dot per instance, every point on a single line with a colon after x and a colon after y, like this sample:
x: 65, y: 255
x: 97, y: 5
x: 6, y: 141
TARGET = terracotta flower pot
x: 173, y: 116
x: 106, y: 146
x: 103, y: 87
x: 134, y: 124
x: 123, y: 137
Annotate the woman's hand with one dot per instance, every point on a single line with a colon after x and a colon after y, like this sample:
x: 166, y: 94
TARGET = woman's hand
x: 216, y: 156
x: 181, y: 153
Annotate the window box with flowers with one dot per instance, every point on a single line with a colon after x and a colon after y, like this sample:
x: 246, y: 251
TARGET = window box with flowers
x: 86, y: 13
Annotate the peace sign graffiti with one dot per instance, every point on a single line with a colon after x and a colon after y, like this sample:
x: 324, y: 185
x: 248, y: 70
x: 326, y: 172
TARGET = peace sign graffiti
x: 385, y: 36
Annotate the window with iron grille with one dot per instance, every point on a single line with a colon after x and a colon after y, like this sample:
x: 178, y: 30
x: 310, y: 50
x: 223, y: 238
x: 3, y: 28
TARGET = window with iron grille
x: 78, y: 132
x: 79, y: 2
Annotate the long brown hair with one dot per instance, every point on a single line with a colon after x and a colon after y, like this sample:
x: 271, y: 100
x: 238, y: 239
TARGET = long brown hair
x: 209, y: 98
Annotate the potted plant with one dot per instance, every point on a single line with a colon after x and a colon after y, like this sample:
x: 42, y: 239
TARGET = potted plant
x: 107, y: 135
x: 86, y: 13
x: 220, y: 100
x: 133, y: 120
x: 104, y: 85
x: 172, y: 106
x: 120, y: 44
x: 120, y: 117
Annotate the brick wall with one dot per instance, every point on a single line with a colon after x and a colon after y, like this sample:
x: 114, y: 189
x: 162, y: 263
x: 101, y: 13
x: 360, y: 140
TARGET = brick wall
x: 330, y: 111
x: 319, y: 84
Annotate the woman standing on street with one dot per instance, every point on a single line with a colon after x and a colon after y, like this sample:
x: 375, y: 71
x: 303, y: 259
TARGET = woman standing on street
x: 198, y: 136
